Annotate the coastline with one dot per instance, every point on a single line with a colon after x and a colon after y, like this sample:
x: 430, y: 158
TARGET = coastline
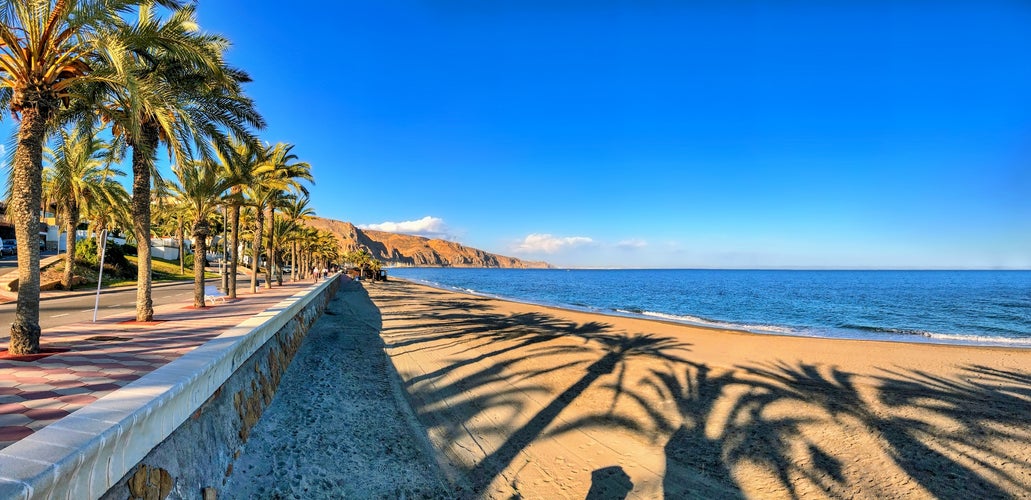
x: 855, y: 333
x: 544, y: 401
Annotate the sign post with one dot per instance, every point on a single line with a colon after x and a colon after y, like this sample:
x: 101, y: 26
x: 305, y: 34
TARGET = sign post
x: 100, y: 272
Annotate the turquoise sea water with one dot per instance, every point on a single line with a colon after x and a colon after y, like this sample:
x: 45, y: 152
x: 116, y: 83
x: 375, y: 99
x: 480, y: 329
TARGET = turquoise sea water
x: 962, y: 307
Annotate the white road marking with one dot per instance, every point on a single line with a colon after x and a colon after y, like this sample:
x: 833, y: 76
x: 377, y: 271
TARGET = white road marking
x: 59, y: 315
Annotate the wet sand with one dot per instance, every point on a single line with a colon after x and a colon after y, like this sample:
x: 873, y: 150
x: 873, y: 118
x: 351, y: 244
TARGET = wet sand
x: 536, y: 402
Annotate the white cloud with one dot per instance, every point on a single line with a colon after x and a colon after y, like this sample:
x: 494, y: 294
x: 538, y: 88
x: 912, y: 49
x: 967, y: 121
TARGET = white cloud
x: 632, y: 243
x: 430, y: 227
x: 549, y: 244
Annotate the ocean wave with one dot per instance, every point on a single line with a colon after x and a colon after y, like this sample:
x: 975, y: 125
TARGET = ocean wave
x: 882, y: 329
x: 682, y: 318
x: 951, y: 338
x: 630, y: 311
x: 980, y: 339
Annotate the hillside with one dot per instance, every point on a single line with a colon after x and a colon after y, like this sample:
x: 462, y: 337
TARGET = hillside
x: 408, y: 250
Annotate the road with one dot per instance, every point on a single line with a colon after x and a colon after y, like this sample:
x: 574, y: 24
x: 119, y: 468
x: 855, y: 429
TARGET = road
x: 57, y: 310
x: 9, y: 263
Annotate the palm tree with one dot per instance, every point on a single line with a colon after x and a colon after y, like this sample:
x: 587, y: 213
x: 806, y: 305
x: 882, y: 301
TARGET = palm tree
x: 297, y: 211
x: 277, y: 199
x: 306, y: 237
x: 79, y: 176
x: 179, y: 93
x: 282, y: 230
x: 283, y: 178
x: 280, y: 170
x: 200, y: 186
x: 172, y: 219
x: 241, y: 163
x: 47, y: 48
x: 110, y: 211
x: 324, y: 249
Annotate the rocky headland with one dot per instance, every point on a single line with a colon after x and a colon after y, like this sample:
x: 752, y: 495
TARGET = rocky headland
x: 396, y: 249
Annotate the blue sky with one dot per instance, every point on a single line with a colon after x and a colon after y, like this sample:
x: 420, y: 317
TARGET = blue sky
x: 659, y: 133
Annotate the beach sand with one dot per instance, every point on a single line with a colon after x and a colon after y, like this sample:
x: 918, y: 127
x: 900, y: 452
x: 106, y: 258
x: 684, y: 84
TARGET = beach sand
x: 536, y: 402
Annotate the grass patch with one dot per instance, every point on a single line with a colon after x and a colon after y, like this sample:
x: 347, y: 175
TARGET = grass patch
x: 161, y: 271
x: 167, y: 270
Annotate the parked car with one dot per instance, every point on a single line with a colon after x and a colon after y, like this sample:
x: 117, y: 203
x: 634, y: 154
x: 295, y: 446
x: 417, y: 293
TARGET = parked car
x: 9, y: 247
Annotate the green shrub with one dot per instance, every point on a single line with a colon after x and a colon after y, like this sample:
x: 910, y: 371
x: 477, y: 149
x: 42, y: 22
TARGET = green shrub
x: 114, y: 255
x: 86, y: 253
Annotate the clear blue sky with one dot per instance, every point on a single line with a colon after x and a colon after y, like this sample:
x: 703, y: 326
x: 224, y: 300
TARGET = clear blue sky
x: 659, y: 133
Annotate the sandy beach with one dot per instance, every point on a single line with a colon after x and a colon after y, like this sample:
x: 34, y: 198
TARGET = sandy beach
x: 536, y: 402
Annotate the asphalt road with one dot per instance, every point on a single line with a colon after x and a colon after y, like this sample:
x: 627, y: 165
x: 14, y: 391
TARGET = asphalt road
x: 57, y: 310
x: 9, y: 263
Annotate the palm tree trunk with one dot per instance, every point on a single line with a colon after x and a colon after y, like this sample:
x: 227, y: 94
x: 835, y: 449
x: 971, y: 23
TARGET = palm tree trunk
x: 293, y: 261
x: 26, y: 193
x: 256, y: 247
x: 143, y: 153
x: 200, y: 250
x: 234, y: 259
x: 72, y: 216
x: 271, y: 245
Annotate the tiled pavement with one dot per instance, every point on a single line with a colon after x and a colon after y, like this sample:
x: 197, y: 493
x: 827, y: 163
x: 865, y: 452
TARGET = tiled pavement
x: 104, y: 356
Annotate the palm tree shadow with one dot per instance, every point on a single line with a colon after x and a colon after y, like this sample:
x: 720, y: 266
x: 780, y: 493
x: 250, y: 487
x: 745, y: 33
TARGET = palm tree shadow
x: 710, y: 442
x: 695, y: 463
x: 953, y: 437
x: 456, y: 408
x: 940, y: 460
x: 983, y: 409
x: 617, y: 348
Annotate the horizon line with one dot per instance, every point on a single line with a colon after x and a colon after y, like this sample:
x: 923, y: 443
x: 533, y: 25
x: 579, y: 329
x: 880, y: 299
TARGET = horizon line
x: 799, y: 268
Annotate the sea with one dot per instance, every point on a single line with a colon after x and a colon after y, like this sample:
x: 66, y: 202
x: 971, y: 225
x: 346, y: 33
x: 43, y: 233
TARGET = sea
x: 952, y: 307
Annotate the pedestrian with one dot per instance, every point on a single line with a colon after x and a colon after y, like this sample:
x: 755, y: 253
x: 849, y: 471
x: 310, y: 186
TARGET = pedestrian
x: 315, y: 273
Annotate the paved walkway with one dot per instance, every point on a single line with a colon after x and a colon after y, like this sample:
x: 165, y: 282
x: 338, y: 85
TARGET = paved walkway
x: 94, y: 359
x: 335, y: 429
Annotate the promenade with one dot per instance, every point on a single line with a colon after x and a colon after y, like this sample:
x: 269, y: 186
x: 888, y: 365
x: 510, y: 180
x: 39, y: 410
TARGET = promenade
x: 84, y: 361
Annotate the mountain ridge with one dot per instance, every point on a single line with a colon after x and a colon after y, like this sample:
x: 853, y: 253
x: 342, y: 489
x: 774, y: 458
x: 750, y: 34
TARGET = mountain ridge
x: 395, y: 249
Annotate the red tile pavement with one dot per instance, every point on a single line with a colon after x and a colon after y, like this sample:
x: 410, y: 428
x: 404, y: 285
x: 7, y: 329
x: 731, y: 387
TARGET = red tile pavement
x: 34, y: 394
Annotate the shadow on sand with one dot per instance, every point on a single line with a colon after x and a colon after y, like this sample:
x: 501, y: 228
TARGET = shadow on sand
x: 952, y: 437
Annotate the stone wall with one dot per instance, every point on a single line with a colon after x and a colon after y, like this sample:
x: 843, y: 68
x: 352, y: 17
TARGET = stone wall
x: 174, y: 431
x: 195, y: 460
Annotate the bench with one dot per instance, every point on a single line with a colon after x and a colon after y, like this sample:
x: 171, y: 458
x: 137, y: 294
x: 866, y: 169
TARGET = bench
x: 212, y: 293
